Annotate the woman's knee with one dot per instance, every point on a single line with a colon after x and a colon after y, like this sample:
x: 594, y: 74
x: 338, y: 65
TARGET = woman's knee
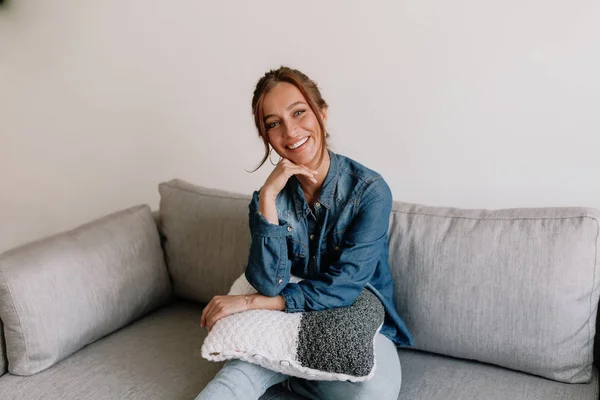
x: 373, y: 389
x: 378, y: 390
x: 255, y: 373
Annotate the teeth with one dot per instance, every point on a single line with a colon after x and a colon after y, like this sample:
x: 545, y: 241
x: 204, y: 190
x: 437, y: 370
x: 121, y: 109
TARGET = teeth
x: 298, y: 144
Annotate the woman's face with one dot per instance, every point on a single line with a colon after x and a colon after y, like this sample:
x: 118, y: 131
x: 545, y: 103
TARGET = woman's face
x: 292, y: 128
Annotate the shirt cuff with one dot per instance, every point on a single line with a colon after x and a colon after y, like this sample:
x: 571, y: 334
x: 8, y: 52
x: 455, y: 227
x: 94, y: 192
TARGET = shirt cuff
x: 294, y: 298
x: 262, y: 227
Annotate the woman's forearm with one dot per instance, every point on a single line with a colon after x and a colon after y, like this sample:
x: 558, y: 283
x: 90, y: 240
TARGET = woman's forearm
x: 260, y: 302
x: 267, y: 206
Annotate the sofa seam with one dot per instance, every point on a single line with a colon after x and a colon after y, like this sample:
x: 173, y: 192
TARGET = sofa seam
x: 497, y: 219
x: 206, y: 195
x: 590, y: 361
x: 12, y: 300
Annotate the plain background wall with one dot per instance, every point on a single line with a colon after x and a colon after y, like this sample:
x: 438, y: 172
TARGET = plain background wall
x: 464, y: 103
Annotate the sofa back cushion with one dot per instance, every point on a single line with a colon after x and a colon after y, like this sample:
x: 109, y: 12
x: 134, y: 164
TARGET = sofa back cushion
x: 206, y: 238
x: 517, y: 288
x: 597, y: 340
x: 66, y: 291
x: 3, y: 360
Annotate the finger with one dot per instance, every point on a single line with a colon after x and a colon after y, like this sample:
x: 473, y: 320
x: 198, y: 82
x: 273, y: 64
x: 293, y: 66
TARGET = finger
x: 311, y: 171
x: 216, y: 316
x: 286, y: 162
x: 206, y: 312
x: 314, y: 171
x: 208, y: 318
x: 299, y: 165
x: 301, y: 170
x: 203, y: 317
x: 308, y: 173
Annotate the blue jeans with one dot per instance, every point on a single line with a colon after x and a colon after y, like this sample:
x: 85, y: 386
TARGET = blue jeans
x: 240, y: 380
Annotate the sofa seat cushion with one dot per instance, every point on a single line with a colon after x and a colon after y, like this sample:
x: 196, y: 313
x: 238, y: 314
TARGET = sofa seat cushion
x: 427, y: 376
x: 157, y: 357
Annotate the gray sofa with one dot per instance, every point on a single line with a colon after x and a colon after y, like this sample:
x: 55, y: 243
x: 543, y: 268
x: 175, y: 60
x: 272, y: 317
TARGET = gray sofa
x: 502, y: 304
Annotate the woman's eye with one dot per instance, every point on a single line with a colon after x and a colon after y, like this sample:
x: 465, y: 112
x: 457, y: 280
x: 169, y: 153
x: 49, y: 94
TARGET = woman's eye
x: 272, y: 125
x: 299, y: 112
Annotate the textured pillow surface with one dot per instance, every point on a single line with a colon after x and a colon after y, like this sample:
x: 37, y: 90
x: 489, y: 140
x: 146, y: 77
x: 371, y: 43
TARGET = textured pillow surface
x: 333, y: 344
x: 206, y: 238
x: 517, y: 287
x: 63, y: 292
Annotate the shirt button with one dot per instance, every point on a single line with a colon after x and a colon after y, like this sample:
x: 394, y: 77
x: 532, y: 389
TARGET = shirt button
x: 317, y: 204
x: 314, y: 257
x: 337, y: 248
x: 279, y: 281
x: 312, y: 237
x: 289, y: 228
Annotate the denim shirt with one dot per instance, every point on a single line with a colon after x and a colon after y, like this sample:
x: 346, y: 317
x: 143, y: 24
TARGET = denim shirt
x: 339, y: 249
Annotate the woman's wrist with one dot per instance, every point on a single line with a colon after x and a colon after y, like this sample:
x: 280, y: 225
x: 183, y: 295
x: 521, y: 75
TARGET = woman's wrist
x: 267, y: 206
x: 260, y: 302
x: 267, y: 194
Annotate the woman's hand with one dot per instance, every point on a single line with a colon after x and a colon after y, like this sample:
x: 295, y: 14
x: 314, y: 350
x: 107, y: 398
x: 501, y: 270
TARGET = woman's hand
x: 280, y: 175
x: 276, y: 182
x: 222, y: 306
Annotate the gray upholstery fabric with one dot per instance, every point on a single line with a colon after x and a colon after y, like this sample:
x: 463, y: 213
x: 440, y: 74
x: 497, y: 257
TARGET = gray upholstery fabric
x: 517, y: 288
x: 3, y: 360
x: 206, y: 238
x: 155, y: 358
x: 158, y: 357
x: 60, y: 293
x: 597, y: 343
x: 428, y: 376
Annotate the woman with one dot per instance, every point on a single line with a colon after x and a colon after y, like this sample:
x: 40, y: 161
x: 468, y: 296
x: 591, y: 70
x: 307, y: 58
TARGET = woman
x: 334, y: 215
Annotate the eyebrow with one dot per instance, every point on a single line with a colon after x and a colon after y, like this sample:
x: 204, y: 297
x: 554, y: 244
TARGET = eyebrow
x: 287, y: 108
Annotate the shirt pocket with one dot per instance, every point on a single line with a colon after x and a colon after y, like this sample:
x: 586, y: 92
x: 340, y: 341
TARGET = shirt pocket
x: 296, y: 248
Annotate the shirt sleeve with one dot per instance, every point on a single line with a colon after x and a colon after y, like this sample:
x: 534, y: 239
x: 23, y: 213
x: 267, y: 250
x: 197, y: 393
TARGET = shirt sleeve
x: 363, y: 247
x: 268, y: 268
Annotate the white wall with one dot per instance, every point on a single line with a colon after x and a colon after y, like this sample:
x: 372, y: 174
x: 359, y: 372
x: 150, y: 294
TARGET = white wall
x: 463, y: 103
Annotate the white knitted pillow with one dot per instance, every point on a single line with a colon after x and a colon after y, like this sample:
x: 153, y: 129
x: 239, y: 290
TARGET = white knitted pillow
x: 337, y: 344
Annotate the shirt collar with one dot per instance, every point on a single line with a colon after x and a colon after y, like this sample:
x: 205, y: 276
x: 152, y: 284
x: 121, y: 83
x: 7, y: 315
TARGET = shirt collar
x: 327, y: 190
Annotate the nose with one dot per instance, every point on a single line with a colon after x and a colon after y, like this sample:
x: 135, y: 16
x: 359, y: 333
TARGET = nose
x: 290, y: 130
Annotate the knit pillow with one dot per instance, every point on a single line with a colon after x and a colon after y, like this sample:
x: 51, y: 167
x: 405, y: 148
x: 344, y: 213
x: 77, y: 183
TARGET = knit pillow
x: 336, y: 344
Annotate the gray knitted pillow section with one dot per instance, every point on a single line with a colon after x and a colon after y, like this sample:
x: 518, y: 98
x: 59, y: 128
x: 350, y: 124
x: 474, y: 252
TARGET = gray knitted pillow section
x: 340, y: 340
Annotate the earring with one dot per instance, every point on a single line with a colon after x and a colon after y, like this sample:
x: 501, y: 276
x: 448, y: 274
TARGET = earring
x: 271, y: 151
